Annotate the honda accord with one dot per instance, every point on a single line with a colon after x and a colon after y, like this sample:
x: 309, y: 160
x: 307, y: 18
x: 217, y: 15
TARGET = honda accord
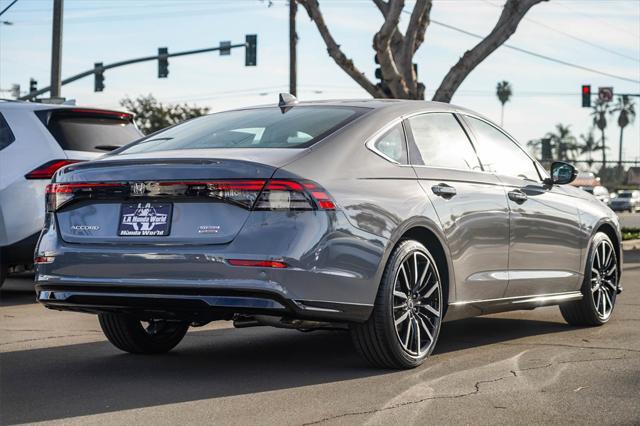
x: 383, y: 217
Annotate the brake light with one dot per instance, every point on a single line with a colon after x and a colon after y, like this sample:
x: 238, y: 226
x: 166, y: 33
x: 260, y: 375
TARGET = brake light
x: 252, y: 194
x: 59, y: 194
x: 291, y: 195
x: 257, y: 263
x: 47, y: 170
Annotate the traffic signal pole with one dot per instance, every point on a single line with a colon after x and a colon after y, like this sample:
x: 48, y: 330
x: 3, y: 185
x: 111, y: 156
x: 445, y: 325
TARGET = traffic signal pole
x: 92, y: 71
x: 56, y: 48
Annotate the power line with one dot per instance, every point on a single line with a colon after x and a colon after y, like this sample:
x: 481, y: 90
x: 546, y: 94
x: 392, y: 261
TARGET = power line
x: 602, y: 21
x: 571, y: 36
x: 537, y: 55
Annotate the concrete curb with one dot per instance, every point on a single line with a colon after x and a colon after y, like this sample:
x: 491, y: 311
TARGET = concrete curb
x: 631, y: 245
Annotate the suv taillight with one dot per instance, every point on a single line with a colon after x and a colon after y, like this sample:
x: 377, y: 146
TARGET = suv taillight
x: 48, y: 169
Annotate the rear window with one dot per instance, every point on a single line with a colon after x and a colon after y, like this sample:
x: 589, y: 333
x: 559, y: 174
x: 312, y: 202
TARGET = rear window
x: 92, y: 132
x: 299, y: 127
x: 6, y: 135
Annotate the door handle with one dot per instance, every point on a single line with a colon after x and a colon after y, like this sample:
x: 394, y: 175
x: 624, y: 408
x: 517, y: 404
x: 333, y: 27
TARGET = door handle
x: 517, y: 196
x: 444, y: 190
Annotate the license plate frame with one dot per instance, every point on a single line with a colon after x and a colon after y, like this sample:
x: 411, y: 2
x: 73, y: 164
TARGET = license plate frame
x: 145, y: 219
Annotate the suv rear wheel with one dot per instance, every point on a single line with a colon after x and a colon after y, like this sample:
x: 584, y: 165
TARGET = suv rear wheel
x: 142, y: 337
x: 404, y: 326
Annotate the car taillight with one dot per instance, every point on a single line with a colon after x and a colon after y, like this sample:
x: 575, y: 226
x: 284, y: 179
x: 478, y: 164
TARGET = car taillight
x: 59, y: 194
x: 47, y: 170
x: 252, y: 194
x: 292, y: 195
x: 241, y: 192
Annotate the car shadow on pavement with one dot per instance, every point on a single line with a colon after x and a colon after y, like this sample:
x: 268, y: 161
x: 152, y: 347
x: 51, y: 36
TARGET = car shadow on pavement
x: 17, y: 290
x: 83, y: 379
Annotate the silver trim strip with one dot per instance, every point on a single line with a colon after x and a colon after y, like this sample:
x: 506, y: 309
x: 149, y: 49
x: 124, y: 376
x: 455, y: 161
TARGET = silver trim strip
x: 526, y: 299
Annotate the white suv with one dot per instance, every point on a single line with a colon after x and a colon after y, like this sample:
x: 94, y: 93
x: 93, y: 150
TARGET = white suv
x: 35, y: 141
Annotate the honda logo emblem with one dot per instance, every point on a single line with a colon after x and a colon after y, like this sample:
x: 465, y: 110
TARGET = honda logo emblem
x: 138, y: 188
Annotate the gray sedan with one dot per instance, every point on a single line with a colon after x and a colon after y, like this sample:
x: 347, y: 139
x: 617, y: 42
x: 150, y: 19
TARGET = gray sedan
x: 383, y: 217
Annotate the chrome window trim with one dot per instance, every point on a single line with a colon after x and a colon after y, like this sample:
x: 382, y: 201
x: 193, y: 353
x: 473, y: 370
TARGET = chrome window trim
x: 512, y: 139
x: 371, y: 142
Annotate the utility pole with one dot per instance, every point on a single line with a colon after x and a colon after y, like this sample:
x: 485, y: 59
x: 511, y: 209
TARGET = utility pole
x: 56, y: 49
x: 293, y: 40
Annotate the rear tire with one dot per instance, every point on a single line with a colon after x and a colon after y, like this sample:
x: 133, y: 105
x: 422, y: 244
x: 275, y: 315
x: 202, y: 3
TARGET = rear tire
x: 129, y: 334
x: 405, y: 323
x: 599, y: 288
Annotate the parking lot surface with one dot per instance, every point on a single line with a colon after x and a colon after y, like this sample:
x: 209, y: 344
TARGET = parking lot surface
x: 508, y: 368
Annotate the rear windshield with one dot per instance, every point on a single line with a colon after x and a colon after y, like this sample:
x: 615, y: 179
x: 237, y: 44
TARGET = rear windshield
x: 85, y: 132
x: 299, y: 127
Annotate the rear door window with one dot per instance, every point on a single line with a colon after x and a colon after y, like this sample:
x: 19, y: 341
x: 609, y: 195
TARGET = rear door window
x: 94, y: 132
x: 272, y: 127
x: 441, y: 142
x: 6, y: 135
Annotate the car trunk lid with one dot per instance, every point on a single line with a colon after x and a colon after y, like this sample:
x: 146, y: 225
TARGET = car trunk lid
x: 157, y: 200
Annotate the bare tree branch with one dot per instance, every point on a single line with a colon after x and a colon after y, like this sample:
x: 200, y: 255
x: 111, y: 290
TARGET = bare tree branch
x: 382, y: 45
x: 333, y: 48
x: 512, y: 14
x: 413, y: 39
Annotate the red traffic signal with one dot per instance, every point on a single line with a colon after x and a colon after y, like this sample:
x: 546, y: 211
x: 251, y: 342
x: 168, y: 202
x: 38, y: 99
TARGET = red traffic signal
x: 586, y: 96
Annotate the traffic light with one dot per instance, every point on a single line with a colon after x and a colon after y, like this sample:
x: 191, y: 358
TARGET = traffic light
x: 163, y: 62
x: 250, y: 52
x: 98, y: 77
x: 586, y: 96
x: 33, y: 85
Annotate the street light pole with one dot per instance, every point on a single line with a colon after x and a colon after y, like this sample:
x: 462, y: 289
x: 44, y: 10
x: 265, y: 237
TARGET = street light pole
x: 56, y: 49
x: 293, y: 40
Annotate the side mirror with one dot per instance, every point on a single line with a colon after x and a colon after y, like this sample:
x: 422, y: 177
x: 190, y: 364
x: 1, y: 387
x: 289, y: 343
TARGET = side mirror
x: 561, y: 173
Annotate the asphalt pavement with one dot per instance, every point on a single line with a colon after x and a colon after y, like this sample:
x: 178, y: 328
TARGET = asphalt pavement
x: 629, y: 220
x: 518, y: 367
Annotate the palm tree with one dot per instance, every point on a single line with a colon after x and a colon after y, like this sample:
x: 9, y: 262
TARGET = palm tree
x: 626, y: 115
x: 504, y: 92
x: 588, y: 146
x: 599, y: 114
x: 564, y: 142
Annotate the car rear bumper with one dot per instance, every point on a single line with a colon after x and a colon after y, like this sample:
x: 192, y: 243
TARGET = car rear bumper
x: 332, y: 272
x: 192, y: 304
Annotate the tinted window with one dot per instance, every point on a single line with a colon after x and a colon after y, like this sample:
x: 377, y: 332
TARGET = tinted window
x: 253, y: 128
x: 6, y: 135
x: 91, y: 133
x: 392, y: 144
x: 499, y: 154
x: 441, y: 142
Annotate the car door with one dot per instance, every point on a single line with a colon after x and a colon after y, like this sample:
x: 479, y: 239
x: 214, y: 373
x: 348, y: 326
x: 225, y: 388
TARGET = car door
x: 471, y: 204
x: 545, y: 233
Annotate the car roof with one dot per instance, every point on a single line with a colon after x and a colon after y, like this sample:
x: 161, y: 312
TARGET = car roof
x: 9, y: 104
x: 376, y: 103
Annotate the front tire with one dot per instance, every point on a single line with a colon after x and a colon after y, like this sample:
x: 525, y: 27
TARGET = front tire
x: 599, y: 288
x: 405, y: 323
x: 130, y: 335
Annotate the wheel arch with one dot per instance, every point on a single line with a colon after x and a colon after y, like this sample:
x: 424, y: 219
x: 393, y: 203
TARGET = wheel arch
x: 609, y: 229
x: 430, y: 235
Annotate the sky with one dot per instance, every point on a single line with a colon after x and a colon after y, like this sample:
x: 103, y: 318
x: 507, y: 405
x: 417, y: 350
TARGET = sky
x: 599, y: 34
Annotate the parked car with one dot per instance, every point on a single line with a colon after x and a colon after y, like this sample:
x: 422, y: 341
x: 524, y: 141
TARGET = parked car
x: 35, y: 141
x: 386, y: 217
x: 598, y: 191
x: 626, y: 201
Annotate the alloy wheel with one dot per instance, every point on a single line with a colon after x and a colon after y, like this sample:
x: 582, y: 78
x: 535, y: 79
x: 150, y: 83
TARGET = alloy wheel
x: 604, y: 279
x: 417, y: 304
